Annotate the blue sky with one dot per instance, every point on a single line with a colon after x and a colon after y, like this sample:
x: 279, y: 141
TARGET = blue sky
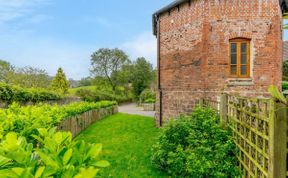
x: 63, y: 33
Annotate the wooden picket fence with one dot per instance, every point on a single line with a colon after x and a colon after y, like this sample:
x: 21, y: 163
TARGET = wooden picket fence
x: 78, y: 123
x: 259, y: 128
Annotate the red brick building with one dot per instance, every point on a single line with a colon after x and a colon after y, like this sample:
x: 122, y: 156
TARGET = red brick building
x: 206, y: 47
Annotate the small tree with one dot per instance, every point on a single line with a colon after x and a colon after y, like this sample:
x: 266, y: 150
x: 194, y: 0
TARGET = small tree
x: 107, y: 63
x: 142, y: 76
x: 60, y: 82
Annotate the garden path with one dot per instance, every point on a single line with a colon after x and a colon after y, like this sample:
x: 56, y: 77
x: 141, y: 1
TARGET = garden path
x: 132, y: 108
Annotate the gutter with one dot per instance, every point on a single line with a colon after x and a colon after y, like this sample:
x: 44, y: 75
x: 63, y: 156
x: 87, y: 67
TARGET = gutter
x: 157, y: 21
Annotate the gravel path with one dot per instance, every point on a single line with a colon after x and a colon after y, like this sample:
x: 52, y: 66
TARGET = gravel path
x: 133, y: 109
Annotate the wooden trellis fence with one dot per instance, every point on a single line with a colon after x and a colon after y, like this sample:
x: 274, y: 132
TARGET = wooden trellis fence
x: 260, y: 132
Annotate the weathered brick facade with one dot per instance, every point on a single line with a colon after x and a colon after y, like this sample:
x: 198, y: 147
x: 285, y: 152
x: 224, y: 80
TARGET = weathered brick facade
x: 194, y: 50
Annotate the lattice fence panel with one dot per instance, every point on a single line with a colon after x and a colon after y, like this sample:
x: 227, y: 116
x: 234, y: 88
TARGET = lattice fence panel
x: 214, y: 104
x: 249, y: 121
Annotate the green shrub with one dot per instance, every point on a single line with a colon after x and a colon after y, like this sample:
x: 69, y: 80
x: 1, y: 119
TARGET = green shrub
x: 10, y: 93
x: 147, y: 96
x: 55, y: 155
x: 150, y: 100
x: 285, y: 86
x: 196, y: 146
x: 95, y: 96
x: 26, y: 120
x: 31, y: 147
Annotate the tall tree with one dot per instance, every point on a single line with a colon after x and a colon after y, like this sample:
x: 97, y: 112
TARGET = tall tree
x: 108, y: 62
x: 142, y: 75
x: 5, y: 69
x: 60, y: 82
x: 29, y: 77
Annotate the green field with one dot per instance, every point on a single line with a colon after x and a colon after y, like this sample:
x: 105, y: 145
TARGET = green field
x: 127, y: 141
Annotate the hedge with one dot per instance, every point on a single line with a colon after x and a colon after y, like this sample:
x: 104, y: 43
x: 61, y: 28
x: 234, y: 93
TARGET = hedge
x: 11, y: 93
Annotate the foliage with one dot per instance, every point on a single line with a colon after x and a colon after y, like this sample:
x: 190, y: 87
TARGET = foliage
x: 285, y: 86
x: 108, y: 62
x: 196, y: 146
x: 142, y: 75
x: 5, y: 69
x: 99, y: 95
x: 55, y: 155
x: 274, y: 91
x: 285, y: 70
x: 29, y: 77
x: 129, y: 150
x: 147, y: 96
x: 60, y: 83
x: 31, y: 147
x: 150, y: 100
x: 12, y: 93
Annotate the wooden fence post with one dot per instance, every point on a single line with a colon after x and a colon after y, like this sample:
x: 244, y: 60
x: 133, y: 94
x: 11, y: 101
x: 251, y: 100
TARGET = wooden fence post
x: 277, y: 140
x: 224, y: 109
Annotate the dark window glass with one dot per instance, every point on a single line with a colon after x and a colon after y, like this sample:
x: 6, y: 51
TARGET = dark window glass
x: 243, y: 47
x: 243, y: 58
x: 243, y: 70
x: 233, y: 58
x: 233, y: 48
x: 233, y: 70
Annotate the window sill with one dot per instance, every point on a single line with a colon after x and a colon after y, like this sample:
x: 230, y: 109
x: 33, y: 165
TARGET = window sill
x: 240, y: 82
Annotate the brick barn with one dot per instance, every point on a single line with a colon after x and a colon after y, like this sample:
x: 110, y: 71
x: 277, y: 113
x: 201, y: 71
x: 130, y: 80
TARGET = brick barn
x: 207, y: 47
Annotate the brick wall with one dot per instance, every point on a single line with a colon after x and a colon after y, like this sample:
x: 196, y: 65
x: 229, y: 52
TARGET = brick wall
x: 194, y: 50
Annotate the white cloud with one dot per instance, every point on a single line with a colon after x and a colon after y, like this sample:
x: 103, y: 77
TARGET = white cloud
x: 143, y: 45
x: 13, y: 9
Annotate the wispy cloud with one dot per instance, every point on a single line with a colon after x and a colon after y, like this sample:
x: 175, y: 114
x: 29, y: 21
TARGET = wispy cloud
x: 13, y: 9
x: 143, y: 45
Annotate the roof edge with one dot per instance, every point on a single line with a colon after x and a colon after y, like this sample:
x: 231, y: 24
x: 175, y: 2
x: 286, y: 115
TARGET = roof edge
x: 283, y: 5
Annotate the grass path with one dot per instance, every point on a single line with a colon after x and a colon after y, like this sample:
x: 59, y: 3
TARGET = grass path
x: 127, y: 141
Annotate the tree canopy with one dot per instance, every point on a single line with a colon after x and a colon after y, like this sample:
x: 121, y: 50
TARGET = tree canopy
x: 107, y: 63
x: 60, y: 82
x: 142, y: 75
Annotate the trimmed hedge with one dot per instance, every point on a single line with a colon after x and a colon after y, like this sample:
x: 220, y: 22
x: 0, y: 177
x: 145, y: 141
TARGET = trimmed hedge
x: 10, y: 94
x: 25, y: 120
x: 95, y: 96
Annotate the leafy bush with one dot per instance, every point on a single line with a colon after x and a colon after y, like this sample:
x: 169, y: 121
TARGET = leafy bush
x: 31, y: 147
x: 56, y: 155
x: 26, y: 120
x: 95, y: 96
x: 285, y: 86
x: 12, y: 93
x: 147, y: 96
x: 196, y: 146
x: 150, y: 100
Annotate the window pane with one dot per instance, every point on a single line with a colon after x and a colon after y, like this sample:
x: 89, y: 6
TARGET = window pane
x: 233, y: 58
x: 243, y: 47
x: 233, y: 70
x: 243, y: 59
x: 233, y: 48
x: 243, y: 70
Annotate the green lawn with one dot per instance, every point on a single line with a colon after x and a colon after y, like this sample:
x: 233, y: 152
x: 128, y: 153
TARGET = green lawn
x: 127, y: 141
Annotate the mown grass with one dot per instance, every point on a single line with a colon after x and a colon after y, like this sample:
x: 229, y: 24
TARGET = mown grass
x: 127, y: 141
